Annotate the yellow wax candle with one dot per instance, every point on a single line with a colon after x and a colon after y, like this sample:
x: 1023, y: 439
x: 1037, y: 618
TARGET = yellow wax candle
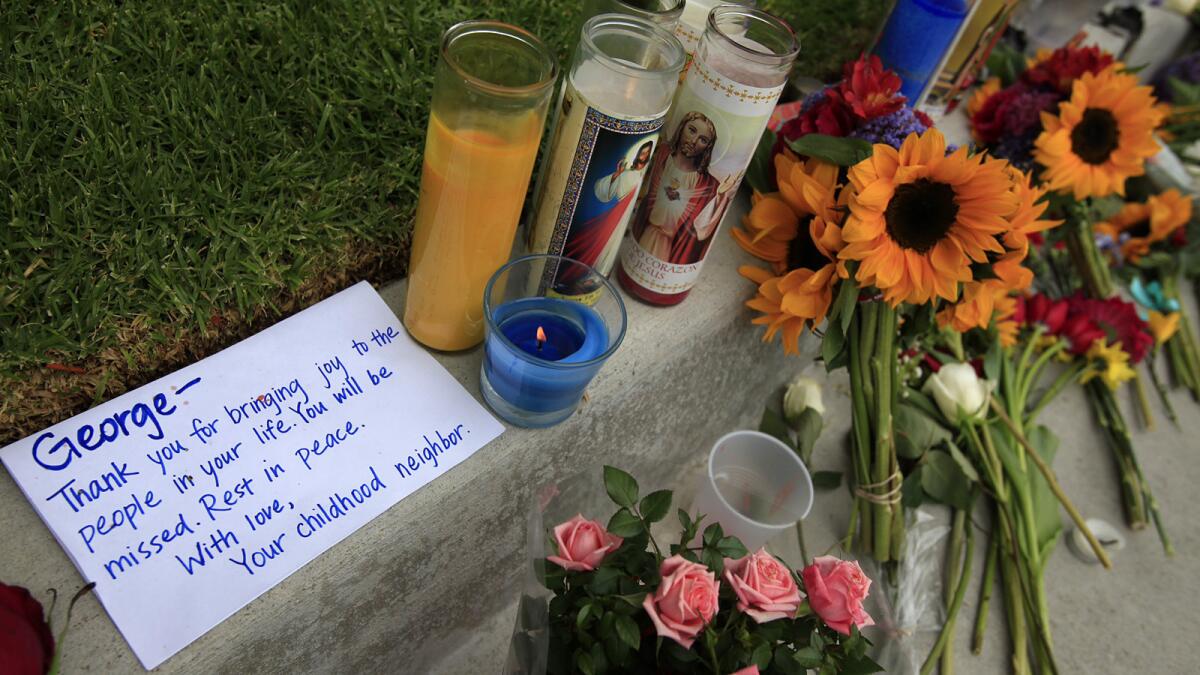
x: 473, y: 185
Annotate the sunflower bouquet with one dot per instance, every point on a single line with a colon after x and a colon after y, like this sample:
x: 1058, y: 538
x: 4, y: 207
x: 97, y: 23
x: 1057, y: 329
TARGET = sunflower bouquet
x: 1084, y: 126
x: 871, y: 252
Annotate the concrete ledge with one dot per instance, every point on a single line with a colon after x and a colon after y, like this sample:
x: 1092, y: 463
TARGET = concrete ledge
x: 407, y: 588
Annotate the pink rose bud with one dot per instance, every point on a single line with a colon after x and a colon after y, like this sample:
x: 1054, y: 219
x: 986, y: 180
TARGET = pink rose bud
x: 764, y: 586
x: 836, y: 590
x: 748, y: 670
x: 582, y: 544
x: 685, y: 601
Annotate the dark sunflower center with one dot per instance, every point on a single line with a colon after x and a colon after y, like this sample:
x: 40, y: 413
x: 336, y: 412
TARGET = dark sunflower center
x: 1096, y: 136
x: 1139, y: 230
x: 920, y: 214
x: 802, y: 252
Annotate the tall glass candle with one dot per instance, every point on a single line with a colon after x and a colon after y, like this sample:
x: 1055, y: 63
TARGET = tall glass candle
x: 916, y: 37
x: 491, y: 92
x: 694, y: 20
x: 718, y: 115
x: 613, y: 104
x: 664, y: 13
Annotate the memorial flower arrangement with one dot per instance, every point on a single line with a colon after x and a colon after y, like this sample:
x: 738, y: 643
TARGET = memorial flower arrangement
x: 873, y: 250
x: 623, y: 602
x: 27, y: 642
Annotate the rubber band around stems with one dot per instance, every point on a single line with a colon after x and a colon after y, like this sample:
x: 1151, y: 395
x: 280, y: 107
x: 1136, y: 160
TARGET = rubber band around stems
x: 891, y: 496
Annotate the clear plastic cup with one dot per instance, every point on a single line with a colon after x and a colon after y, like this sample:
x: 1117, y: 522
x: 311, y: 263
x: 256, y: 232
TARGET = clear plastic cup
x: 755, y: 487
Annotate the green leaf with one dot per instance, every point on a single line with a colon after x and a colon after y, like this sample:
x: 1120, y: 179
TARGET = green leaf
x: 621, y: 487
x: 833, y: 345
x: 761, y: 656
x: 847, y: 298
x: 712, y: 534
x: 915, y: 431
x: 968, y: 469
x: 809, y: 657
x: 655, y: 506
x: 1046, y: 515
x: 758, y: 174
x: 713, y: 560
x: 911, y: 493
x: 832, y: 149
x: 624, y: 524
x: 808, y: 430
x: 773, y: 424
x: 731, y: 547
x: 827, y: 480
x: 684, y: 519
x: 786, y: 663
x: 942, y: 479
x: 860, y: 665
x: 991, y: 362
x: 584, y: 613
x: 604, y: 581
x: 583, y: 663
x: 627, y: 630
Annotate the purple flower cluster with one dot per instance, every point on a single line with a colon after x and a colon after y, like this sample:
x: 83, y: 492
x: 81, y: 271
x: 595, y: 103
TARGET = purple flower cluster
x: 890, y: 129
x: 1186, y: 69
x: 1018, y: 150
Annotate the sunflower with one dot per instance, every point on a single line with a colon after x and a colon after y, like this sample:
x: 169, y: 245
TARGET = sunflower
x: 919, y: 217
x: 981, y: 302
x: 1027, y: 219
x: 772, y: 228
x: 790, y: 302
x: 1100, y: 137
x: 981, y: 95
x: 1138, y: 225
x: 796, y: 231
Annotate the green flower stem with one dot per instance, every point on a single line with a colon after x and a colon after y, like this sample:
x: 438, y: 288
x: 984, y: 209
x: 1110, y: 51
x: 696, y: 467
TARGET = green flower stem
x: 1177, y: 353
x: 947, y: 635
x: 985, y: 593
x: 954, y: 573
x: 1066, y: 377
x: 1136, y: 514
x: 1081, y: 242
x: 1191, y: 352
x: 1052, y: 481
x: 1026, y: 354
x: 1034, y: 374
x: 1143, y: 401
x: 883, y: 367
x: 859, y: 515
x: 1151, y: 365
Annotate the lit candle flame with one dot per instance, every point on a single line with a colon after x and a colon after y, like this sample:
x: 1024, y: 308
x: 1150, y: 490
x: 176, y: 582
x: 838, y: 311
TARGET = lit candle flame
x: 541, y: 337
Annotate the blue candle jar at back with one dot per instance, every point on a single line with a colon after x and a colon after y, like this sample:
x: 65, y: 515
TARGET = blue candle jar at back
x: 915, y: 39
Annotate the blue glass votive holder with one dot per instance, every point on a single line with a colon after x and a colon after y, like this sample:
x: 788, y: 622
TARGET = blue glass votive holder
x: 551, y: 323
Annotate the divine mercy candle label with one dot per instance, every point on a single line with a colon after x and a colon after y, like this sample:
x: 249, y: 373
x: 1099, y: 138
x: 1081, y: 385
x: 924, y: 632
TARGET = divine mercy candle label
x: 707, y: 143
x: 588, y: 195
x: 189, y: 497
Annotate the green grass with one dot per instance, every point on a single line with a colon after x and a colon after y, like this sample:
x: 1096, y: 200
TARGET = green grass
x: 176, y: 174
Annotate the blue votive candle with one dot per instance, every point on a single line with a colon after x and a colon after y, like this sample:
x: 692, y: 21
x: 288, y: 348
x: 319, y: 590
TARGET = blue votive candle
x: 916, y: 37
x: 542, y: 346
x: 545, y: 377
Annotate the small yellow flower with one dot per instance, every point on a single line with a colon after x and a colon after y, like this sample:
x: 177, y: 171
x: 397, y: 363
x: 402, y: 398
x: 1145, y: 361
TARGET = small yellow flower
x: 1163, y: 326
x: 1116, y: 364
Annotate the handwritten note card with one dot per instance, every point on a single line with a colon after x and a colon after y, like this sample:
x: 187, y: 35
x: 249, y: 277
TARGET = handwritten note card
x: 186, y: 499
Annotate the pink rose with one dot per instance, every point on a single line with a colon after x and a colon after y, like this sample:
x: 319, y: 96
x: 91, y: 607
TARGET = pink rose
x: 582, y: 544
x: 836, y: 590
x: 748, y: 670
x: 764, y: 587
x: 685, y: 601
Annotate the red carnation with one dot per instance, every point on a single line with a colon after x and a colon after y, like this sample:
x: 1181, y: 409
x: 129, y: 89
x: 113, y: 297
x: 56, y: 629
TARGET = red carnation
x: 828, y: 116
x: 1117, y: 321
x: 989, y: 121
x: 1066, y: 65
x: 1080, y: 332
x: 868, y: 89
x: 26, y: 645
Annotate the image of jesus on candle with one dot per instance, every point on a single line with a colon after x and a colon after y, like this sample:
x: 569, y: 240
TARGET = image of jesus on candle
x: 684, y: 202
x: 593, y: 241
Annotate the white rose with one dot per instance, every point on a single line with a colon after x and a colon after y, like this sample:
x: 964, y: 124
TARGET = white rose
x: 959, y: 392
x: 802, y: 393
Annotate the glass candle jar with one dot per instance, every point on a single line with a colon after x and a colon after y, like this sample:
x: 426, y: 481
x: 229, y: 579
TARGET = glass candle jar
x: 664, y: 13
x: 694, y: 19
x: 719, y: 113
x: 542, y: 348
x: 614, y: 101
x: 491, y: 92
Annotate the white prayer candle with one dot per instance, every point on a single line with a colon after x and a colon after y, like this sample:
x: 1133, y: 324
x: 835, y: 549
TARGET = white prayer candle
x: 614, y: 100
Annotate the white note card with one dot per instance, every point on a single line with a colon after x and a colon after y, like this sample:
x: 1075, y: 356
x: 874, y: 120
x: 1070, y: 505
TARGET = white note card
x: 189, y: 497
